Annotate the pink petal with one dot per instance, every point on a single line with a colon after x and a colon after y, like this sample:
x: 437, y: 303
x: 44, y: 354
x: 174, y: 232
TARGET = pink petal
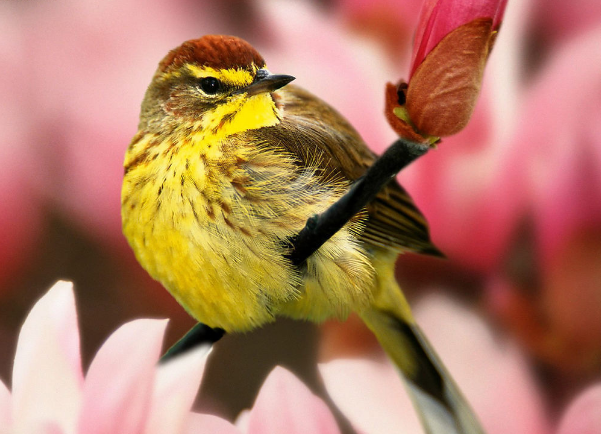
x: 561, y: 146
x: 175, y: 388
x: 453, y: 185
x: 371, y: 394
x: 118, y: 389
x: 558, y: 20
x: 440, y: 17
x: 567, y: 172
x: 209, y: 424
x: 5, y: 406
x: 285, y: 405
x: 49, y: 428
x: 482, y: 362
x: 391, y: 22
x: 20, y: 208
x: 453, y: 188
x: 584, y: 414
x: 47, y: 374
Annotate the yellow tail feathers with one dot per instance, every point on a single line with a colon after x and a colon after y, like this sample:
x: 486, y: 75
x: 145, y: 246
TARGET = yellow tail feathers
x: 437, y: 399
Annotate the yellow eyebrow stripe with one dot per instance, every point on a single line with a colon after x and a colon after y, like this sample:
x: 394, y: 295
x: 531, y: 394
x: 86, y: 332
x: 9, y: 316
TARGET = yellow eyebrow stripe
x: 235, y: 77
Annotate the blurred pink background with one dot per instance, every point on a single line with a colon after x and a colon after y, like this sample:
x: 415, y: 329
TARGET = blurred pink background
x: 514, y: 200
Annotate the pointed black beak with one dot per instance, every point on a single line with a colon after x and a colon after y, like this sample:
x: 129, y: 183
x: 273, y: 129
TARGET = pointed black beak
x: 266, y: 82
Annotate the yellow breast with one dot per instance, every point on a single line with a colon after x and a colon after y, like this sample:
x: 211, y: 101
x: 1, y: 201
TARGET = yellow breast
x: 209, y: 218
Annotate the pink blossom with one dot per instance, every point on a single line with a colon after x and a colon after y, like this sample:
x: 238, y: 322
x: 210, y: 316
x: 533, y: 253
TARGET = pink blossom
x: 473, y: 189
x: 565, y: 168
x: 491, y: 372
x: 123, y: 391
x: 558, y: 319
x: 452, y: 44
x: 583, y: 416
x: 20, y: 208
x: 556, y: 21
x: 390, y: 22
x: 284, y: 405
x: 438, y: 18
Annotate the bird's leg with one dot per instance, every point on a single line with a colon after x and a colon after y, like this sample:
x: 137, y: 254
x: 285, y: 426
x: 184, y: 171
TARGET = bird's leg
x: 198, y: 335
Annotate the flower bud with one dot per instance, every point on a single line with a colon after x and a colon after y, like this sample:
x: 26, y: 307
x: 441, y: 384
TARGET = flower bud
x: 452, y: 44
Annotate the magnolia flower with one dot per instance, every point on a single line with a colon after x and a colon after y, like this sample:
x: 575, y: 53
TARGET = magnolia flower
x: 390, y: 22
x: 553, y: 307
x: 473, y: 189
x: 584, y: 414
x: 284, y: 405
x: 123, y: 391
x: 491, y: 372
x: 557, y: 20
x: 20, y: 210
x: 452, y: 43
x: 496, y: 381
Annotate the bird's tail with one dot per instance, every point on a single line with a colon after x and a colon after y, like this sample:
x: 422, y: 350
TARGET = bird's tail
x: 437, y: 399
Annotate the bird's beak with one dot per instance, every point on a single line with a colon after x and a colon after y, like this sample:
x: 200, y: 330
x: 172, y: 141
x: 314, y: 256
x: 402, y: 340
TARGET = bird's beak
x: 266, y: 82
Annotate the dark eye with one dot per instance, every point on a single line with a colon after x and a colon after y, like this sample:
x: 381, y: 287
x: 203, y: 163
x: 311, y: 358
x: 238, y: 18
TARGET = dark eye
x: 210, y: 85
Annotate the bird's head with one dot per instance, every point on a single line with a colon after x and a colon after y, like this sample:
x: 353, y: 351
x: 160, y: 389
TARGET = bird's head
x: 215, y: 85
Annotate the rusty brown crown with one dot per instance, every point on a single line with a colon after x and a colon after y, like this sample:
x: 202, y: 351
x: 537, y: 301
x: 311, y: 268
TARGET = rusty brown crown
x: 215, y: 51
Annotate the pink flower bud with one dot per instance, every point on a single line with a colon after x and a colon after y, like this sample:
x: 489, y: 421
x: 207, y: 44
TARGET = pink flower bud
x: 452, y: 44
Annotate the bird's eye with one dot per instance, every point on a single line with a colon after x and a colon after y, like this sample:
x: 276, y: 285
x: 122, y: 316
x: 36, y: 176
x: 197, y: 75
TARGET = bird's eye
x: 210, y: 85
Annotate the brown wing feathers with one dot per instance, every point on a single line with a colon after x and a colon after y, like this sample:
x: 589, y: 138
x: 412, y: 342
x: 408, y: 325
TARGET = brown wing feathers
x: 394, y: 220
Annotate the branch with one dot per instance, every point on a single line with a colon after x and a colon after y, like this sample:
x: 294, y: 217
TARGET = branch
x: 321, y: 227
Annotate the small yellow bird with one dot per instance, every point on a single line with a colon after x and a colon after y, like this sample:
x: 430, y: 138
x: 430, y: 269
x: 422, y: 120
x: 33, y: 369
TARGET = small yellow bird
x: 228, y: 164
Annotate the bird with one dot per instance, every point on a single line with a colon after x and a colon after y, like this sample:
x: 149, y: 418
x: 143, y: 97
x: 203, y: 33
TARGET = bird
x: 228, y: 164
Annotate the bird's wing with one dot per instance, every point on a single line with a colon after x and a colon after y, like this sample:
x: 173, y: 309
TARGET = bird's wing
x: 306, y: 131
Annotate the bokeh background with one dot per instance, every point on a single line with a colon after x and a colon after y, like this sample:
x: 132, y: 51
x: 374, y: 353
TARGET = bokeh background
x: 514, y: 200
